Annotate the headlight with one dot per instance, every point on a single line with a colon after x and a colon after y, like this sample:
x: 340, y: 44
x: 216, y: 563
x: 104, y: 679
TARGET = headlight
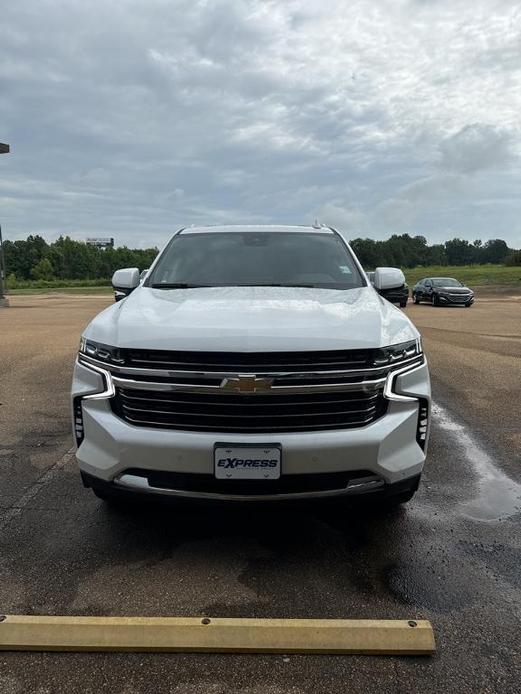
x: 398, y: 353
x: 97, y: 350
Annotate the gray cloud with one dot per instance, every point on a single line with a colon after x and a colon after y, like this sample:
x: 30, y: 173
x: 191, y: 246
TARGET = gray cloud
x: 476, y: 147
x: 132, y: 118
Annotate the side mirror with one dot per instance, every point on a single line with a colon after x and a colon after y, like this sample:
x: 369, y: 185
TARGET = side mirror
x: 124, y: 282
x: 388, y: 278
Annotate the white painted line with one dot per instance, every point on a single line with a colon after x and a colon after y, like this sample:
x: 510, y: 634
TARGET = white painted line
x: 499, y: 495
x: 29, y: 494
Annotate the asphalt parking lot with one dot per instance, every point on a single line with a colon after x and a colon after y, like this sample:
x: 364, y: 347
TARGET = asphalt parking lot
x: 453, y: 555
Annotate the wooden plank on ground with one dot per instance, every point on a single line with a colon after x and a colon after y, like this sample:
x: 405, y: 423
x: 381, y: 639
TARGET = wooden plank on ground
x: 216, y: 635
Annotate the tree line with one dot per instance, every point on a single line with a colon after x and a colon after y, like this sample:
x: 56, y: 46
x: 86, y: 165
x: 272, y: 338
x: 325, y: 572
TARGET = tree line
x: 66, y: 259
x: 412, y: 251
x: 35, y: 259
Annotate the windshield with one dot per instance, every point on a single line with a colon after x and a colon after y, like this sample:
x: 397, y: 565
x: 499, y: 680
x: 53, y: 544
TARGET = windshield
x: 446, y: 282
x: 256, y: 259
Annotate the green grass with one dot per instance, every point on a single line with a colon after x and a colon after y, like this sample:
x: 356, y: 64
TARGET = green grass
x: 97, y: 286
x: 61, y: 290
x: 472, y: 275
x: 14, y: 283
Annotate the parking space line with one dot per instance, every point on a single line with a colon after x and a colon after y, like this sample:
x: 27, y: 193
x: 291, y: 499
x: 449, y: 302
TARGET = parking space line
x: 30, y: 493
x: 499, y: 496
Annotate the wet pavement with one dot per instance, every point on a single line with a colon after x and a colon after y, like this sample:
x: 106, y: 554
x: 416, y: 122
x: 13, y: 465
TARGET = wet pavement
x: 453, y: 555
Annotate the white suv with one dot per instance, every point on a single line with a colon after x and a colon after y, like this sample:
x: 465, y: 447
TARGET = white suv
x: 253, y: 363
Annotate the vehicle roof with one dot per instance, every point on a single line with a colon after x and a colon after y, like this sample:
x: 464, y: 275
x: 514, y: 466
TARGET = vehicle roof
x: 256, y: 228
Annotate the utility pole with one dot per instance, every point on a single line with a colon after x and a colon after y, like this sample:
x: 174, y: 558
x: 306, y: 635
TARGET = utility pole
x: 4, y: 149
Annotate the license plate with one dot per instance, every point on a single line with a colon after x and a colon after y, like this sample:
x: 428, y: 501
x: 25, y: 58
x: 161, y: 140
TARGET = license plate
x: 239, y: 462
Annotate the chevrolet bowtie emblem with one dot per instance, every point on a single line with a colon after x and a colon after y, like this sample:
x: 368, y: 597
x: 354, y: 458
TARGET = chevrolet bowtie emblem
x: 246, y: 384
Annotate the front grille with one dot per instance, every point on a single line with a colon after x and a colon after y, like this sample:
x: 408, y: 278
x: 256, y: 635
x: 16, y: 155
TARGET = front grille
x: 459, y: 297
x: 252, y: 392
x: 250, y: 413
x: 286, y: 484
x: 250, y: 362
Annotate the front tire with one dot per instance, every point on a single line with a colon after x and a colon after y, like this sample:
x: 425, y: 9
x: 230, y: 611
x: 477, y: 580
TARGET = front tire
x: 403, y: 304
x: 435, y: 300
x: 416, y: 298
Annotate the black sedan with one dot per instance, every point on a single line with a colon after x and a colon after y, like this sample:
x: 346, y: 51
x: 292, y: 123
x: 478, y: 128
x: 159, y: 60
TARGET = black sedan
x: 442, y: 291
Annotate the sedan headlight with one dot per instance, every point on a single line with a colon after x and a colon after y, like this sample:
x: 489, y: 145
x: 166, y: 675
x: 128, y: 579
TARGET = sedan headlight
x: 387, y: 356
x: 100, y: 351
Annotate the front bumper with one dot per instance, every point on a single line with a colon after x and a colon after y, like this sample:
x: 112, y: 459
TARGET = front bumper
x: 130, y: 486
x: 387, y: 449
x: 458, y: 299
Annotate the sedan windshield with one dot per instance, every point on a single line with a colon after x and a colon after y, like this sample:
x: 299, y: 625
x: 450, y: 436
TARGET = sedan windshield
x: 285, y: 259
x: 446, y: 282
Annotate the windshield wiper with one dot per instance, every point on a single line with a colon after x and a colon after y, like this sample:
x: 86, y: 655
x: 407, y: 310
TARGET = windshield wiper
x: 177, y: 285
x: 184, y: 285
x: 269, y: 284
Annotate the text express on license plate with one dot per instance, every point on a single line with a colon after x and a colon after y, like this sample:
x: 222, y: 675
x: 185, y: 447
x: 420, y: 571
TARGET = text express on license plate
x: 247, y: 462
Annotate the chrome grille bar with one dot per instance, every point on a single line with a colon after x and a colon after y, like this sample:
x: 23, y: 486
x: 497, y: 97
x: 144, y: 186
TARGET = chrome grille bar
x: 250, y: 428
x: 242, y: 415
x: 123, y: 371
x: 365, y: 386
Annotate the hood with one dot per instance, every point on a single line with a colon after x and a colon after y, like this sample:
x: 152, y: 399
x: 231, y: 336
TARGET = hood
x: 251, y: 319
x: 454, y: 290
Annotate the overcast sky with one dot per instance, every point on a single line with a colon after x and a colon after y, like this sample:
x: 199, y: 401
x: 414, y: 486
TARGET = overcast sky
x: 130, y: 118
